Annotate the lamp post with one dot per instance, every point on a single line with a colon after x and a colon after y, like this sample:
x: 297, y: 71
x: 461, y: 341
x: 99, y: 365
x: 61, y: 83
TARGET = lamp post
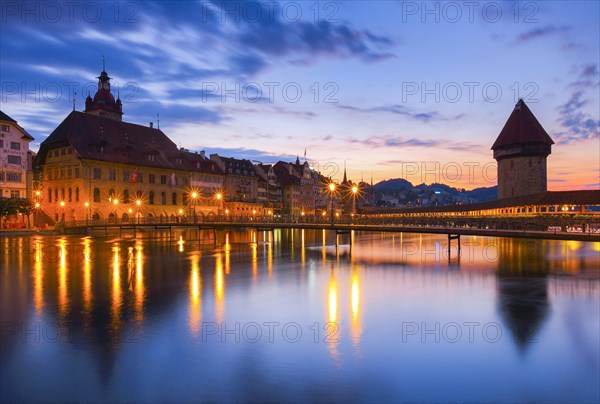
x: 194, y: 196
x: 354, y: 192
x: 219, y: 197
x: 116, y: 202
x: 62, y: 211
x: 87, y: 211
x: 331, y: 191
x: 137, y: 213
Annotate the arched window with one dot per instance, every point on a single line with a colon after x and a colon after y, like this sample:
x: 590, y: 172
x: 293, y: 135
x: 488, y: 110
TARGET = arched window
x: 126, y: 196
x: 62, y: 194
x: 77, y: 194
x: 70, y: 195
x: 111, y: 195
x: 138, y: 195
x: 55, y: 194
x: 163, y: 198
x: 174, y: 198
x: 49, y: 195
x: 151, y: 198
x: 96, y: 195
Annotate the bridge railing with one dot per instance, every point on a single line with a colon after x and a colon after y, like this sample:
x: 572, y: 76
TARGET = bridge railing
x: 542, y: 223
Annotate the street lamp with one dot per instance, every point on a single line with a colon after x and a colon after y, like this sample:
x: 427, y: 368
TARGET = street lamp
x: 219, y: 197
x: 331, y: 191
x: 116, y: 202
x: 87, y: 211
x: 37, y: 214
x: 194, y: 196
x: 62, y: 205
x: 354, y: 192
x: 137, y: 214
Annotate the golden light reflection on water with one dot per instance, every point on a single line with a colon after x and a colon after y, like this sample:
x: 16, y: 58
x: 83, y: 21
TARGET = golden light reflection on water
x: 140, y: 290
x: 195, y: 311
x: 117, y: 298
x: 227, y: 254
x: 219, y: 289
x: 63, y: 282
x: 38, y: 280
x: 355, y: 324
x: 87, y: 278
x: 332, y: 316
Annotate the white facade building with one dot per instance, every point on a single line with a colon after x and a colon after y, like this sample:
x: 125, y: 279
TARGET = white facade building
x: 14, y: 161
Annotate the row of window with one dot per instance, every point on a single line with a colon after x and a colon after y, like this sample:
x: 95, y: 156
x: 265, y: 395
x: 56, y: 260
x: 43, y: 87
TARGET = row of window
x: 64, y: 196
x: 11, y: 177
x: 139, y: 195
x: 60, y: 152
x: 13, y: 145
x: 63, y: 173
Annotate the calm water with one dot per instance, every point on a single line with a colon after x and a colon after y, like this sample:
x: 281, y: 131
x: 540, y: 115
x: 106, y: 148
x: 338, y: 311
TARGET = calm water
x: 288, y: 316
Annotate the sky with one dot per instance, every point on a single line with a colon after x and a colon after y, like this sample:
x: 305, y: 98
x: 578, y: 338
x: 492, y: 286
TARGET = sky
x: 414, y: 90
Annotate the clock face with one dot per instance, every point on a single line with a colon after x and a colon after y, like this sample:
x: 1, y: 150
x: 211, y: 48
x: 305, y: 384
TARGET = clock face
x: 105, y: 86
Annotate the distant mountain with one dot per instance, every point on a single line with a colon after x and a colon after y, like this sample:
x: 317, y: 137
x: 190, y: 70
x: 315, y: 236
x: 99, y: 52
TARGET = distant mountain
x: 396, y: 184
x: 400, y: 192
x: 483, y: 194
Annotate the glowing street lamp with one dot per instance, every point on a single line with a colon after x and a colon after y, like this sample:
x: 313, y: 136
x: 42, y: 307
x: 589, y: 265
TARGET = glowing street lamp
x: 62, y: 206
x: 138, y: 203
x: 354, y: 192
x: 87, y: 211
x: 331, y: 191
x: 219, y: 197
x: 194, y: 196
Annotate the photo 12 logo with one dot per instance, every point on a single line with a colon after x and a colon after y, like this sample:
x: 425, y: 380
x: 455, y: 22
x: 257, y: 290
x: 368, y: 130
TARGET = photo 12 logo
x: 468, y: 91
x: 270, y: 92
x: 453, y: 12
x: 53, y: 12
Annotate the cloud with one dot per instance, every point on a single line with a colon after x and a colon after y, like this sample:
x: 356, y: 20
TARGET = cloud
x: 250, y: 154
x: 399, y: 141
x: 404, y: 111
x: 539, y: 33
x: 578, y: 125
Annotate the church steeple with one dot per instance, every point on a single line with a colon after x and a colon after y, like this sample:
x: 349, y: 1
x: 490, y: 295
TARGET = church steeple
x: 103, y: 103
x: 345, y: 180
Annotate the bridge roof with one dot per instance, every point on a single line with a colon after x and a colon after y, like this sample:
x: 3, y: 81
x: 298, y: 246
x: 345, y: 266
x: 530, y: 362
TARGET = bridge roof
x: 580, y: 197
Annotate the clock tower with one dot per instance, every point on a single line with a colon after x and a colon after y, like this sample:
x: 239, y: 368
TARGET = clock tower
x: 103, y: 103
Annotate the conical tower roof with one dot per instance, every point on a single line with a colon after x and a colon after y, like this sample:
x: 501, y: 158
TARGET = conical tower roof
x: 522, y: 127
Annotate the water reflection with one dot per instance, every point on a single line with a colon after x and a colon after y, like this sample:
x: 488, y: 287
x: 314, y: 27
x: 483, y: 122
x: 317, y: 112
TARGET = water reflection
x: 38, y: 280
x: 63, y: 291
x: 355, y: 325
x: 523, y: 270
x: 359, y: 288
x: 117, y: 299
x: 195, y: 313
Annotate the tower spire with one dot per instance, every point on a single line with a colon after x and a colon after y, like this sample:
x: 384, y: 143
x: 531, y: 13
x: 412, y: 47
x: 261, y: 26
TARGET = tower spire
x: 345, y: 180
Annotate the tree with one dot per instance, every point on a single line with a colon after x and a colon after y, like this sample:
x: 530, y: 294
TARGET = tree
x: 8, y: 207
x: 25, y: 207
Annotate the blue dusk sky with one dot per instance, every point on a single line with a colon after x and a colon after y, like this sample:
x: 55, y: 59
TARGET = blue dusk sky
x: 418, y: 90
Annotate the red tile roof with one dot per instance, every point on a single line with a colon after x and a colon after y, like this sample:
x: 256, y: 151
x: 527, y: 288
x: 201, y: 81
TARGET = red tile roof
x: 98, y: 138
x: 522, y: 127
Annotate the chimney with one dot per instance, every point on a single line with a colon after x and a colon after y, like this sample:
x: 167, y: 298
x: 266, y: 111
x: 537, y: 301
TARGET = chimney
x: 151, y: 124
x: 203, y: 154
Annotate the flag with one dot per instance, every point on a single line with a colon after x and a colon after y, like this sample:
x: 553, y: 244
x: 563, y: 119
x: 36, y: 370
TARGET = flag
x: 134, y: 176
x: 172, y: 180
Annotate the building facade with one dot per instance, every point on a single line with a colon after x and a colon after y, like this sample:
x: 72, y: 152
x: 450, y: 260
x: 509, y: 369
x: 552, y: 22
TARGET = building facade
x: 15, y: 159
x: 95, y: 166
